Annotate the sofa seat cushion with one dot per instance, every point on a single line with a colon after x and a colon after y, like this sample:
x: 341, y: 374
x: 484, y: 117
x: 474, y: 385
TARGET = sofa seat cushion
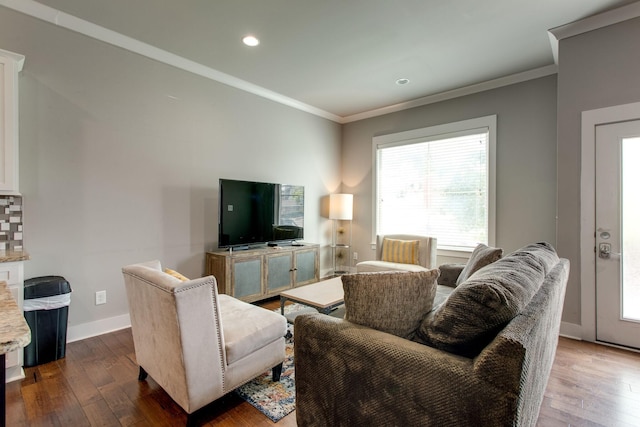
x: 479, y: 308
x: 376, y: 266
x: 247, y: 327
x: 392, y: 302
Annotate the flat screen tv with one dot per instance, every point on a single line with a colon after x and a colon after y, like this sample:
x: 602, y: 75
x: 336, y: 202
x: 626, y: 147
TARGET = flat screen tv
x: 258, y: 213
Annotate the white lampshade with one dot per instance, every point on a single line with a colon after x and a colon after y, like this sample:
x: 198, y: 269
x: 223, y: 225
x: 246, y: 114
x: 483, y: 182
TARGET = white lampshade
x: 341, y: 206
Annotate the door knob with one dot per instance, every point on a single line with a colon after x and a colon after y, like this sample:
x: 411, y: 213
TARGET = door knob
x: 604, y: 251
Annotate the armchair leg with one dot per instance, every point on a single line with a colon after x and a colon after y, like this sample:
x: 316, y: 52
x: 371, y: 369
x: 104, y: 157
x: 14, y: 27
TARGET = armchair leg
x: 191, y: 420
x: 276, y: 372
x: 142, y: 375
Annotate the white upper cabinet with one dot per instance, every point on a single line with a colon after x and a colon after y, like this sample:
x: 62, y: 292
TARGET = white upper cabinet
x: 10, y: 65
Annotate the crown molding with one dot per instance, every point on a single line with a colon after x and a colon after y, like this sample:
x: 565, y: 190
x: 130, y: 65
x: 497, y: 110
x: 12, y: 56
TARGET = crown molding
x: 591, y: 23
x: 456, y: 93
x: 70, y: 22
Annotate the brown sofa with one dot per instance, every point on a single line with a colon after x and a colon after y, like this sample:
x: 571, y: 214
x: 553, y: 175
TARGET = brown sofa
x: 481, y: 358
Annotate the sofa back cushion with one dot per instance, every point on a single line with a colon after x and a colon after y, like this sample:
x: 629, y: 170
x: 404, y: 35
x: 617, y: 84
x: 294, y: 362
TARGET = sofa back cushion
x: 480, y: 307
x: 481, y: 256
x: 392, y: 302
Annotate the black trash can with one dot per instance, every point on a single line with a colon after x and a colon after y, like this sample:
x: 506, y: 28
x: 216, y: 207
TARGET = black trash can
x: 46, y: 310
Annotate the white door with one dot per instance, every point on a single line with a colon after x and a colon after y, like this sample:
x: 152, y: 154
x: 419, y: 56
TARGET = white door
x: 618, y: 233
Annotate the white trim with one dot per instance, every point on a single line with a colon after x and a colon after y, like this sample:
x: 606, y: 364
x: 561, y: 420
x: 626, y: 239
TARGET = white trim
x: 17, y: 58
x: 604, y: 19
x: 591, y: 23
x: 70, y: 22
x: 422, y: 134
x: 98, y: 327
x: 456, y: 93
x: 571, y: 330
x: 591, y: 119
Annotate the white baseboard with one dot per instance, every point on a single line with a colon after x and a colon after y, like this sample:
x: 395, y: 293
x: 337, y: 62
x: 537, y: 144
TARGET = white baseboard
x: 14, y: 373
x: 99, y: 327
x: 571, y: 330
x: 104, y: 326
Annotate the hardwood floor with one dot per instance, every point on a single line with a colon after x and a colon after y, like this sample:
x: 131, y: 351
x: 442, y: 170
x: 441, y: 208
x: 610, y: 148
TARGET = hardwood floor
x: 96, y: 385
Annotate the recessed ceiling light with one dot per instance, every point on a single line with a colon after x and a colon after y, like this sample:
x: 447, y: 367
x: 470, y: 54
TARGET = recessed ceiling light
x: 250, y: 41
x: 402, y: 82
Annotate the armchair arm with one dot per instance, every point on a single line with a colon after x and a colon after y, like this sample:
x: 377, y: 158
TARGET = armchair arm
x: 347, y: 374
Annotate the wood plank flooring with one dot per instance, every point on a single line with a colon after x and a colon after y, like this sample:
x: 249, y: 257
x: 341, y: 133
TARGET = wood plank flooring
x: 96, y: 385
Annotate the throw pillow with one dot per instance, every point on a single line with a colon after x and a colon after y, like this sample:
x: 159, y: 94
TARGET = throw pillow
x: 400, y: 251
x: 479, y: 308
x: 392, y: 302
x: 175, y: 274
x: 481, y: 256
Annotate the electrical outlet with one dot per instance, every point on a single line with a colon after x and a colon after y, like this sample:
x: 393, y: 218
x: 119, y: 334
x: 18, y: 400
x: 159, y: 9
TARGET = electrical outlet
x: 101, y: 297
x: 355, y: 256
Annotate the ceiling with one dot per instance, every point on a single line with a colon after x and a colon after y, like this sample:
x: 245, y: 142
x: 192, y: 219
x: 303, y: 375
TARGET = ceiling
x: 341, y: 58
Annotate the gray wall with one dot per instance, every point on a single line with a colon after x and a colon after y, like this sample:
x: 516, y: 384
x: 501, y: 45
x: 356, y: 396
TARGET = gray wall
x: 120, y: 158
x: 598, y: 69
x: 526, y: 158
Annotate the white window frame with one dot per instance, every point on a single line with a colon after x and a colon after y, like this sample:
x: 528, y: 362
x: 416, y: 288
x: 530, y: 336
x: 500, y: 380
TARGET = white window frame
x: 437, y: 132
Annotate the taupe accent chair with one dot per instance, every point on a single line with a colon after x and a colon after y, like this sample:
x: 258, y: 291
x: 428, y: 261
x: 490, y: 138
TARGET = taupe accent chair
x: 198, y: 345
x: 426, y: 259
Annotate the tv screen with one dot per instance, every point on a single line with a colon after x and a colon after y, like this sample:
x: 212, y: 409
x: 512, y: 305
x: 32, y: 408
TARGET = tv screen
x: 253, y: 213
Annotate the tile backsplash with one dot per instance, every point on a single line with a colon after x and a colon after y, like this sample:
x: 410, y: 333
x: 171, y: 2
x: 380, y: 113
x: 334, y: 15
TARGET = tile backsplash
x: 10, y: 223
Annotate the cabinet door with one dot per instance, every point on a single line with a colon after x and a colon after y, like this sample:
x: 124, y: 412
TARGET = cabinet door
x: 247, y: 277
x: 8, y: 124
x: 306, y: 267
x: 279, y: 271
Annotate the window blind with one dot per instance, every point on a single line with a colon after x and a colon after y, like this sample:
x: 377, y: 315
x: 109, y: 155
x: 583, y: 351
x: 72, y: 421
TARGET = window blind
x: 436, y: 187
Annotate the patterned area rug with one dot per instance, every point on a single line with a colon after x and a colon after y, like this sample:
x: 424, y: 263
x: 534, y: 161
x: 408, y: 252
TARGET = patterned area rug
x: 275, y: 400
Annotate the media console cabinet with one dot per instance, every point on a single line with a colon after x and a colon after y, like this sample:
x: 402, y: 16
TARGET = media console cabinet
x: 255, y: 274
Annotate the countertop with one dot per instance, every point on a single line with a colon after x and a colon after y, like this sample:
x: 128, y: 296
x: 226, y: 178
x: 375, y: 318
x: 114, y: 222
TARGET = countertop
x: 12, y: 256
x: 14, y: 331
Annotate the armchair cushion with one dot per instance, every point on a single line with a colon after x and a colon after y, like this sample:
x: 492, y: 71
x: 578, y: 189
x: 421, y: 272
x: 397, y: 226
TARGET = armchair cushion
x: 380, y: 266
x: 425, y: 254
x: 246, y: 329
x: 400, y: 251
x: 479, y: 308
x: 392, y: 302
x: 481, y: 256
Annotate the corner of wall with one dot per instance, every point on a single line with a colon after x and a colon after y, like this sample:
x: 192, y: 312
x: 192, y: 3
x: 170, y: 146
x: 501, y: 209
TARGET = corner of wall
x: 571, y: 330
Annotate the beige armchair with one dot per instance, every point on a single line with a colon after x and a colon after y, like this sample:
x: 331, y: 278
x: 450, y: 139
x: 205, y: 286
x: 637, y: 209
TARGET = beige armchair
x: 197, y: 344
x: 425, y: 259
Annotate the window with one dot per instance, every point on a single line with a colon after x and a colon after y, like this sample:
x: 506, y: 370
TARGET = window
x: 438, y: 181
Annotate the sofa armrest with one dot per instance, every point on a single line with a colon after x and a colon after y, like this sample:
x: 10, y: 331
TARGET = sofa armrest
x: 347, y: 374
x: 449, y: 274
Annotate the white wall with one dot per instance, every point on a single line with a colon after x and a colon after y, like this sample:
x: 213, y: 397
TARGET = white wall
x: 120, y: 158
x: 526, y: 159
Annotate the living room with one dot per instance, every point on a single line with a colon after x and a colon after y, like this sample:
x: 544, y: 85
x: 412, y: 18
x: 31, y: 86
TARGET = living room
x: 120, y: 156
